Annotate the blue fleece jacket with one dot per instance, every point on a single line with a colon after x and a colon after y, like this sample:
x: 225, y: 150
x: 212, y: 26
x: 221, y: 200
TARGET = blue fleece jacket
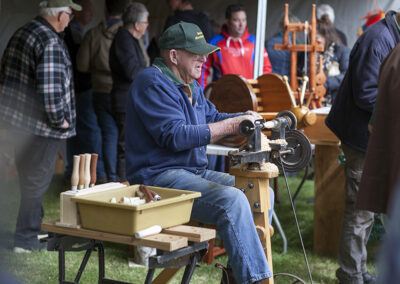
x: 164, y: 130
x: 354, y: 102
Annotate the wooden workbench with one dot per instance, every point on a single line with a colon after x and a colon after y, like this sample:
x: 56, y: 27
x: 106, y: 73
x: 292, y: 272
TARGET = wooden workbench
x: 329, y: 187
x: 174, y: 239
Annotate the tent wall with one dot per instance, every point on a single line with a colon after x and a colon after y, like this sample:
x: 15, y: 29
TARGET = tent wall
x: 15, y: 13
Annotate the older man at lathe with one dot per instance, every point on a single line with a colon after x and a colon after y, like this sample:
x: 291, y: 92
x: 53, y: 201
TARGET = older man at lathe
x: 168, y: 126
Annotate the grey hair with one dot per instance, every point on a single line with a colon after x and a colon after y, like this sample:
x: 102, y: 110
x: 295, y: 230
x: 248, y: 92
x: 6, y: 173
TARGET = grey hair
x: 52, y: 12
x: 134, y: 12
x: 326, y: 9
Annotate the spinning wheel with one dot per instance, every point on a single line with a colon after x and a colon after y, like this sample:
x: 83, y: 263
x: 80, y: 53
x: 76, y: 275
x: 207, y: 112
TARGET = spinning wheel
x: 316, y: 90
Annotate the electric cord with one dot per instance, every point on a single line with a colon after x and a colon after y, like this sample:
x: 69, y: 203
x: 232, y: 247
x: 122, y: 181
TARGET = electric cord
x: 298, y: 230
x: 301, y: 183
x: 298, y: 279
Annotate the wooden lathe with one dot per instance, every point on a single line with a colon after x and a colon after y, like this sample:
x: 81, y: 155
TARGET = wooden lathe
x: 255, y: 163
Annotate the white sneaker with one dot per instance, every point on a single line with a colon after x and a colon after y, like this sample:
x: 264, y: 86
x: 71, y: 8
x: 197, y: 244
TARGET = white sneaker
x: 21, y: 250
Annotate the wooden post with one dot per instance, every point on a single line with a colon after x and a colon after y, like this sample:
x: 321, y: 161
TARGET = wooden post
x: 256, y: 187
x: 313, y: 54
x: 329, y: 199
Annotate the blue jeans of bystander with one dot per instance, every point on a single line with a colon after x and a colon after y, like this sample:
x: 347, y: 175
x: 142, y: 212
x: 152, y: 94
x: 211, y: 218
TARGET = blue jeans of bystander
x: 88, y: 134
x: 109, y: 133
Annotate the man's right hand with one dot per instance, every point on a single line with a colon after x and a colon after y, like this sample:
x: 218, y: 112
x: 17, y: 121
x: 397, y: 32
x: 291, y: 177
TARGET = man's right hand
x: 230, y: 126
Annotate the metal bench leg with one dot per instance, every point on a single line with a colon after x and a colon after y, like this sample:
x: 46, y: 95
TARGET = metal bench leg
x: 149, y: 276
x: 61, y: 265
x: 100, y: 252
x: 187, y: 275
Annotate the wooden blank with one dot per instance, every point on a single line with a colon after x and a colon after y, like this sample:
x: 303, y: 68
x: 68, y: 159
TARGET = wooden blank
x: 195, y: 234
x: 160, y: 241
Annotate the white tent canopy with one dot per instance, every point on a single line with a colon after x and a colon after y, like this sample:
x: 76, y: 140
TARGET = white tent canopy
x: 14, y: 14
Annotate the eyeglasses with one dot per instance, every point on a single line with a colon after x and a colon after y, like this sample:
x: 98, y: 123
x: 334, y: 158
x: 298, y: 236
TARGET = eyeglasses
x: 71, y: 15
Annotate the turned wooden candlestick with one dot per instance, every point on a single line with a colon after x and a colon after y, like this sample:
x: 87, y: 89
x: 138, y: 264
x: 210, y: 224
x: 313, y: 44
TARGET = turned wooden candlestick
x: 81, y: 171
x: 75, y: 173
x: 87, y: 170
x: 93, y: 168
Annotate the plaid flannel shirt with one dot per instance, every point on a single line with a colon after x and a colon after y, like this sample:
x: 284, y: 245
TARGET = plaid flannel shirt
x: 37, y: 92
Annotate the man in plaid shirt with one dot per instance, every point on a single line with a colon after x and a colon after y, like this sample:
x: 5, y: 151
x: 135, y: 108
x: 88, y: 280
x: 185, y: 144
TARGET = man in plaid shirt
x: 37, y: 106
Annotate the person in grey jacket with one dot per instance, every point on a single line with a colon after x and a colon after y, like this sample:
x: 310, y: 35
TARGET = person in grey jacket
x: 127, y: 57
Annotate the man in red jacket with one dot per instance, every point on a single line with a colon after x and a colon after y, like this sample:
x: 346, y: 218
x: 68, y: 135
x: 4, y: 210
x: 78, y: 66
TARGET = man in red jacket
x: 237, y: 48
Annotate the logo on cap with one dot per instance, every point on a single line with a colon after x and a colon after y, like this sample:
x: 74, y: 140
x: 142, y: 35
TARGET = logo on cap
x: 199, y: 35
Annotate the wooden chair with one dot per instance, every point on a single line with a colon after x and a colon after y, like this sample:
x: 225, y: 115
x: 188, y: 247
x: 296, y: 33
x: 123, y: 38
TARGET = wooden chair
x: 272, y: 94
x: 232, y: 93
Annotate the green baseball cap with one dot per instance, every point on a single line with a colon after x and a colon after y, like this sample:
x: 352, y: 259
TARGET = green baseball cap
x: 186, y: 36
x: 60, y: 3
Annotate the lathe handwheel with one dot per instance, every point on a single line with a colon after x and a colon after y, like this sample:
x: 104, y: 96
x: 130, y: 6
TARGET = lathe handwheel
x: 301, y: 155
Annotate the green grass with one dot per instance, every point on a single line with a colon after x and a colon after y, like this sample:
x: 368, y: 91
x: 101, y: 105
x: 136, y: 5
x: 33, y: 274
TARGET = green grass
x: 42, y: 267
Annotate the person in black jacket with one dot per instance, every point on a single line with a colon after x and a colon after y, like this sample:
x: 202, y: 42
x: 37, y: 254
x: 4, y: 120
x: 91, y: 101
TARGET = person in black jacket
x: 127, y: 58
x: 184, y: 12
x: 348, y: 119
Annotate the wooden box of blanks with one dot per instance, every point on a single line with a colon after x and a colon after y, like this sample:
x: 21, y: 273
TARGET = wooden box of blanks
x: 98, y: 212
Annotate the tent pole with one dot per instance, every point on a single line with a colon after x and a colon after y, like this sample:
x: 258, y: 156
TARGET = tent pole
x: 260, y: 38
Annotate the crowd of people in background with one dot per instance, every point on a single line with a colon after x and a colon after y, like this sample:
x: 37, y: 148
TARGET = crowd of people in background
x: 77, y: 89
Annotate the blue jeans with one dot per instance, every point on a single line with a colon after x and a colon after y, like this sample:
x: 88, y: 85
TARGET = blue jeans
x: 226, y: 207
x: 88, y: 134
x: 109, y: 133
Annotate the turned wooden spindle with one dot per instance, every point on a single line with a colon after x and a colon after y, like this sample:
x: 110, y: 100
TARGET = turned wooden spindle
x: 87, y: 170
x: 81, y: 171
x: 303, y: 90
x: 75, y: 173
x: 289, y: 89
x: 93, y: 168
